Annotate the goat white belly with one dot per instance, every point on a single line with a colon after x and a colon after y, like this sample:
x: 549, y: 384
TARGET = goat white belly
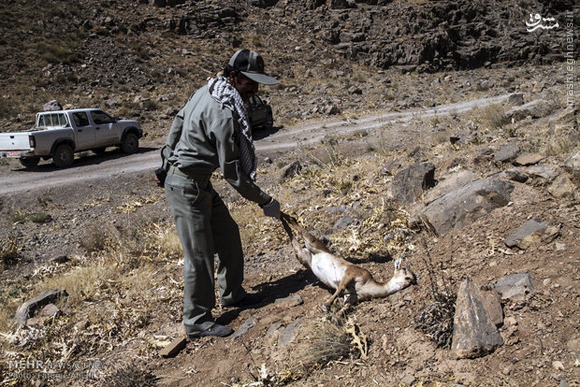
x: 326, y: 269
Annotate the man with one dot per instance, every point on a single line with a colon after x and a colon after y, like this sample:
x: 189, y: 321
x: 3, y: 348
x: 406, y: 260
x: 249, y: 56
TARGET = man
x: 212, y: 131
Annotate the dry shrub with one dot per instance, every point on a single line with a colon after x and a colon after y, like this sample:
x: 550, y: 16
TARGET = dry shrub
x: 321, y: 342
x: 96, y: 240
x: 131, y: 375
x: 561, y: 140
x: 9, y: 251
x: 115, y: 260
x: 436, y: 320
x: 494, y: 116
x: 163, y: 242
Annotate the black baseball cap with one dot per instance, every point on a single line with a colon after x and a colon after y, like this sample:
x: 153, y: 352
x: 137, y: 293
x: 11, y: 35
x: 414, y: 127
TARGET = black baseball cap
x: 251, y: 64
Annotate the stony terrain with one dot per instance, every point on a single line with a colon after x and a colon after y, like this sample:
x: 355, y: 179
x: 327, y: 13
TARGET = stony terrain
x: 485, y: 193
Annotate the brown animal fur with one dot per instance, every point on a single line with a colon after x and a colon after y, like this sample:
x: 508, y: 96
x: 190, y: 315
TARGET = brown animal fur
x: 335, y: 272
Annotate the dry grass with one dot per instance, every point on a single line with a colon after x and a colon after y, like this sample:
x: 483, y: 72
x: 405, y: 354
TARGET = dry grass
x: 131, y: 375
x: 319, y: 343
x: 494, y: 116
x: 112, y: 295
x: 9, y: 251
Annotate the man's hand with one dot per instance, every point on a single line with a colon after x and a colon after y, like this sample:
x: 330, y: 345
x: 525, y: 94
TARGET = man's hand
x: 272, y: 209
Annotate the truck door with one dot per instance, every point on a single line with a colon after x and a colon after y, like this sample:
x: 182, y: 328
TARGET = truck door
x: 104, y: 126
x: 85, y: 132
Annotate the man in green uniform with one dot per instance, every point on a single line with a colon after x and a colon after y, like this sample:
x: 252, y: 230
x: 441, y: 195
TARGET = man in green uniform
x: 212, y: 131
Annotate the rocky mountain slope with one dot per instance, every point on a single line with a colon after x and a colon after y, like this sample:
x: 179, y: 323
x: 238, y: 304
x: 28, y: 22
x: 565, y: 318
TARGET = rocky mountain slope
x: 143, y: 59
x: 480, y: 199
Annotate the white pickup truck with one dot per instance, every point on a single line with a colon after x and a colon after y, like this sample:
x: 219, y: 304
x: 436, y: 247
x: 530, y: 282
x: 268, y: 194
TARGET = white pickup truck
x: 59, y: 134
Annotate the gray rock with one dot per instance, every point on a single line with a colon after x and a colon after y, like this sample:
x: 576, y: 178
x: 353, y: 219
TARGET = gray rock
x: 288, y: 302
x: 166, y: 3
x: 408, y: 380
x: 289, y: 333
x: 344, y: 222
x: 391, y: 166
x: 516, y: 287
x: 573, y: 162
x: 543, y: 173
x: 52, y: 106
x: 244, y: 328
x: 464, y: 205
x: 450, y: 183
x: 355, y: 90
x: 474, y: 326
x: 290, y: 170
x: 531, y: 232
x: 487, y: 84
x: 562, y: 187
x: 47, y: 313
x: 513, y: 174
x: 516, y: 99
x: 463, y: 137
x: 535, y: 109
x: 30, y: 307
x: 410, y: 183
x: 60, y: 259
x: 507, y: 153
x: 342, y: 4
x: 112, y: 103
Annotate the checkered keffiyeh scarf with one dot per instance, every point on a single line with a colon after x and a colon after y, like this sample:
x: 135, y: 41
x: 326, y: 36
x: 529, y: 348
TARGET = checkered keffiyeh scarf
x: 223, y: 92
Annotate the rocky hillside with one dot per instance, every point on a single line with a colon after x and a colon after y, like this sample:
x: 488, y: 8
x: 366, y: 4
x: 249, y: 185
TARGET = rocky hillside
x: 467, y: 170
x: 144, y: 58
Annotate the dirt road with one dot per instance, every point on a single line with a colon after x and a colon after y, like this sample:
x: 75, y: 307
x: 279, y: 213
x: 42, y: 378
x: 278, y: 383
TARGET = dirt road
x: 16, y: 179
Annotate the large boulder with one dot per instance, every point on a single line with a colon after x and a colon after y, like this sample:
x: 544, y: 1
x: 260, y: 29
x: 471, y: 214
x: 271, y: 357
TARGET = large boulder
x: 535, y: 109
x: 410, y: 183
x: 449, y: 183
x: 478, y: 313
x: 457, y: 208
x: 52, y: 106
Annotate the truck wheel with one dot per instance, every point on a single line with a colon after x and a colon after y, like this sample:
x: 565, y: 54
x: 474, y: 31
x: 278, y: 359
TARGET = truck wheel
x: 63, y: 156
x: 30, y: 162
x: 130, y: 143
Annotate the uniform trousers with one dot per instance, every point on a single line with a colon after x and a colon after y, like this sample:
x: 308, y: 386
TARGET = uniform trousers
x: 208, y: 233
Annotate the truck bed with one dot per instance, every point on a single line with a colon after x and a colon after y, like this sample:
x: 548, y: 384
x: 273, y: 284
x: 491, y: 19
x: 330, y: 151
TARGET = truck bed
x: 14, y: 141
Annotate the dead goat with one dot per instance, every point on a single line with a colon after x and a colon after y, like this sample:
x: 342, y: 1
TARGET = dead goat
x: 356, y: 282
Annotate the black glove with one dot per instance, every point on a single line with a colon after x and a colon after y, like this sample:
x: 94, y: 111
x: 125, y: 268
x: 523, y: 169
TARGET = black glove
x: 272, y: 209
x: 160, y: 175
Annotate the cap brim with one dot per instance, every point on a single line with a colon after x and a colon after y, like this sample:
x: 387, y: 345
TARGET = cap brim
x: 261, y: 78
